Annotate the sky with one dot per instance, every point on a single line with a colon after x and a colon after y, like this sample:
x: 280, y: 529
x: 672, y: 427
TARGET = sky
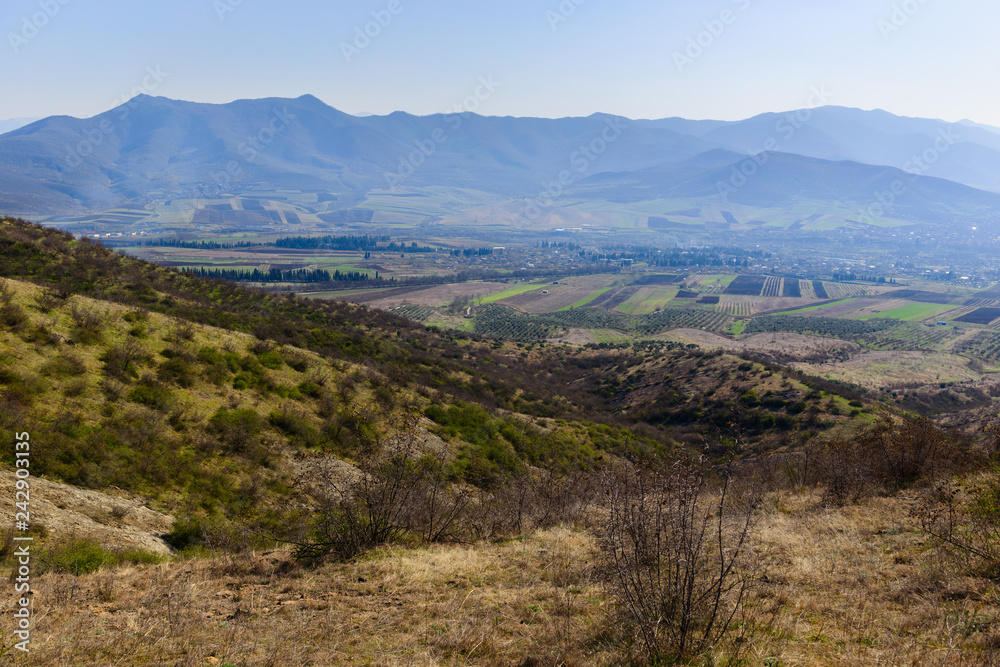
x: 721, y: 59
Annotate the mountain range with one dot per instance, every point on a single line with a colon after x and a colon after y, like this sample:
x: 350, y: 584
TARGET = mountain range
x: 153, y: 148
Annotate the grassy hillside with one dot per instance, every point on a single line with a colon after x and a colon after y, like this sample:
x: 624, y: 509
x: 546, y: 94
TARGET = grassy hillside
x: 348, y: 487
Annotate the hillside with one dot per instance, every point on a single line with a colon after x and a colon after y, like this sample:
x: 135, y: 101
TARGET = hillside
x: 325, y: 470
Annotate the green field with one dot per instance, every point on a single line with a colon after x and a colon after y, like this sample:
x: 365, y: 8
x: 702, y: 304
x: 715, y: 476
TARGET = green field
x: 517, y: 290
x: 647, y: 300
x: 633, y: 302
x: 913, y: 312
x: 660, y: 297
x: 609, y: 336
x: 812, y: 309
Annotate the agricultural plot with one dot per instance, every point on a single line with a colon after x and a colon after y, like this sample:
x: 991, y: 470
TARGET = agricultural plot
x: 830, y: 327
x: 590, y: 298
x: 828, y: 308
x: 910, y: 336
x: 633, y: 302
x: 820, y: 290
x: 881, y: 334
x: 516, y: 290
x: 658, y: 279
x: 562, y: 296
x: 712, y: 283
x: 984, y: 316
x: 913, y: 312
x: 612, y: 300
x: 609, y: 336
x: 747, y: 286
x: 792, y: 289
x: 736, y: 306
x: 648, y: 300
x: 850, y: 289
x: 984, y: 345
x: 890, y: 369
x: 415, y: 313
x: 772, y: 286
x: 920, y: 296
x: 498, y: 321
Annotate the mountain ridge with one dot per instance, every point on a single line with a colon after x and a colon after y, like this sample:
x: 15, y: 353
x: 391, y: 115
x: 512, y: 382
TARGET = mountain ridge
x: 157, y: 148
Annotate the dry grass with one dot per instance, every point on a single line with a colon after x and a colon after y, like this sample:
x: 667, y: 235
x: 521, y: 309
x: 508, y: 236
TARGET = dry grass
x: 860, y: 586
x: 483, y: 605
x: 856, y: 585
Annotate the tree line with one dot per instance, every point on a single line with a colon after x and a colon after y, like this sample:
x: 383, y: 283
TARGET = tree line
x: 275, y: 275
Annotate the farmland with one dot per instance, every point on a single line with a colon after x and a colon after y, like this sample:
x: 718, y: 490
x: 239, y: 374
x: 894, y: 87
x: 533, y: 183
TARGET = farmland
x: 496, y: 321
x: 648, y: 299
x: 983, y: 316
x: 913, y: 312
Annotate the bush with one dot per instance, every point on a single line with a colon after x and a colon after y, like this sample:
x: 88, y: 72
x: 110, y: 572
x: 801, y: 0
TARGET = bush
x: 152, y: 394
x: 87, y: 555
x: 12, y: 315
x: 88, y: 325
x: 271, y: 359
x: 678, y: 562
x: 299, y: 428
x: 399, y: 495
x: 886, y: 458
x: 177, y: 371
x: 237, y: 429
x: 65, y: 365
x: 122, y: 362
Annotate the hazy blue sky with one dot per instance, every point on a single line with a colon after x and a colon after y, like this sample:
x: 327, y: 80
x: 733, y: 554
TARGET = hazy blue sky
x: 550, y: 58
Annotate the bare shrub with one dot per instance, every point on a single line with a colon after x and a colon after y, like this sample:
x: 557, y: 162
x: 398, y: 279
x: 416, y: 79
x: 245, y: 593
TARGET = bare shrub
x: 886, y: 458
x: 122, y: 361
x: 399, y: 494
x: 966, y: 518
x: 528, y: 501
x: 88, y: 325
x: 184, y: 330
x: 48, y: 300
x: 677, y: 559
x: 119, y: 512
x: 261, y: 346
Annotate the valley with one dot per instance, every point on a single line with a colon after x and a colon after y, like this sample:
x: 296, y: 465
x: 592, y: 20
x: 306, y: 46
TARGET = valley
x: 292, y: 401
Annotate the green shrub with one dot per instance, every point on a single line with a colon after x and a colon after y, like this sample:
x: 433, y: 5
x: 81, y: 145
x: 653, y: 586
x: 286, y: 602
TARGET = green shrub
x: 297, y: 427
x: 13, y: 316
x: 271, y: 359
x: 177, y: 371
x: 310, y: 389
x: 291, y: 393
x: 237, y: 429
x: 87, y: 555
x: 210, y: 356
x: 65, y: 365
x: 153, y: 395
